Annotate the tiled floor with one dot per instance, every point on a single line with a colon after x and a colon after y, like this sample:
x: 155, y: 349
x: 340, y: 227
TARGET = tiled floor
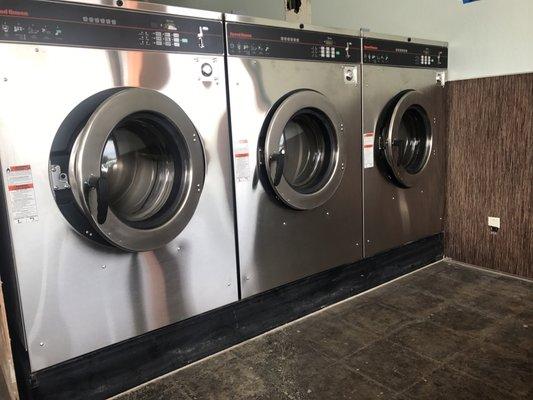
x: 445, y: 332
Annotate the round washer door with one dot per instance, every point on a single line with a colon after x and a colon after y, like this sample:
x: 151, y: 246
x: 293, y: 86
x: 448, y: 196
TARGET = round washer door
x: 137, y: 169
x: 303, y: 150
x: 406, y: 137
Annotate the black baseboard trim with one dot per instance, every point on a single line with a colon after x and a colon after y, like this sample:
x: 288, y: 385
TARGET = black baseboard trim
x: 117, y: 368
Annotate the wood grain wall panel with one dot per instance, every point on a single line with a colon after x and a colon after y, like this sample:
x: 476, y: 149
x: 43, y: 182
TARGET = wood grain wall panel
x: 490, y: 172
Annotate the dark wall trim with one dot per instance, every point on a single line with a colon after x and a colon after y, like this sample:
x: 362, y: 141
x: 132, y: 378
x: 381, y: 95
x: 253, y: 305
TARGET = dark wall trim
x: 120, y: 367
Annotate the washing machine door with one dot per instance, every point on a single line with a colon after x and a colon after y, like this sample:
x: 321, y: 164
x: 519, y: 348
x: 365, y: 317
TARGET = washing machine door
x: 136, y: 169
x: 406, y: 137
x: 303, y: 153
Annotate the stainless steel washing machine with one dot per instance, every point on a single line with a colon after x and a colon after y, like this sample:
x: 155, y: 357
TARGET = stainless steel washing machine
x: 403, y: 140
x: 116, y: 170
x: 295, y: 121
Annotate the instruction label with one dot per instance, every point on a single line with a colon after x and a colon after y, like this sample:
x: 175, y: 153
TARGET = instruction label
x: 21, y: 193
x: 368, y: 149
x: 242, y: 161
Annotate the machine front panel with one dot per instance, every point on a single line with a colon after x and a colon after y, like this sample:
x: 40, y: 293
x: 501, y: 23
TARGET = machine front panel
x: 278, y: 244
x: 394, y: 216
x: 89, y: 26
x: 78, y: 296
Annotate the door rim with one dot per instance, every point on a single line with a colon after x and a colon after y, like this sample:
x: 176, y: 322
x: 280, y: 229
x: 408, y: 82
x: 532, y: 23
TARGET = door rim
x: 407, y: 100
x: 284, y: 112
x: 85, y: 164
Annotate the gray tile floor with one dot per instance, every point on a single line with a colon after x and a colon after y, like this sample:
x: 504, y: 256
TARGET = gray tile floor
x: 445, y: 332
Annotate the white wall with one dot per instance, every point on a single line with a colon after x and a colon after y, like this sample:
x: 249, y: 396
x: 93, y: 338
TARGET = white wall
x: 486, y: 38
x: 258, y: 8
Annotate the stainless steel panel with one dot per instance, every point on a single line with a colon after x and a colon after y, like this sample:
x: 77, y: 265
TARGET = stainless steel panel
x: 395, y: 216
x: 398, y: 38
x: 77, y: 296
x: 277, y: 244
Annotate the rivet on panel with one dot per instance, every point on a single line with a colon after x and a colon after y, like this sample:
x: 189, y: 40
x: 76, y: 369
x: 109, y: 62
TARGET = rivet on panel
x: 178, y: 248
x: 5, y: 79
x: 393, y: 198
x: 103, y: 266
x: 246, y: 278
x: 368, y: 240
x: 36, y: 50
x: 41, y: 344
x: 228, y: 284
x: 284, y: 223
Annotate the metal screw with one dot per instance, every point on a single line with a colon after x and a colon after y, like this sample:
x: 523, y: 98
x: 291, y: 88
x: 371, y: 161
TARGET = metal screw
x: 342, y: 166
x: 36, y: 50
x: 104, y: 266
x: 284, y: 223
x: 228, y: 284
x: 421, y: 191
x: 368, y: 240
x: 246, y: 278
x: 178, y: 249
x: 393, y: 198
x: 41, y: 344
x: 357, y: 244
x: 327, y: 213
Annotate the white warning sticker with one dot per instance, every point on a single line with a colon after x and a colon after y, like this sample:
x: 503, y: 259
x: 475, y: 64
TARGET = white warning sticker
x: 242, y: 161
x: 21, y: 193
x: 368, y: 149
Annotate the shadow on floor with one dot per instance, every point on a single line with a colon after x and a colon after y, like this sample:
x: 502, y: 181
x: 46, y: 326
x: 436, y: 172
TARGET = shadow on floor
x: 445, y: 332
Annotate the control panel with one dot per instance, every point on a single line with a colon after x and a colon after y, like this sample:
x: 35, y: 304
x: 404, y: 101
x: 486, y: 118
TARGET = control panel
x: 403, y: 54
x: 66, y: 24
x: 295, y: 44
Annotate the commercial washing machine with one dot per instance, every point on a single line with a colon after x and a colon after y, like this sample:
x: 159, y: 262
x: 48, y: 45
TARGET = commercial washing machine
x: 403, y: 140
x: 295, y: 121
x: 116, y: 171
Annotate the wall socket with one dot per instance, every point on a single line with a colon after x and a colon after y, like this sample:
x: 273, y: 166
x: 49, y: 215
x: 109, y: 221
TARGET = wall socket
x: 494, y: 224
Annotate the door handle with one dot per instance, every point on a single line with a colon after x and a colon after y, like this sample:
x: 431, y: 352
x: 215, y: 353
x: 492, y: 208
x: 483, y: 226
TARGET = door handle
x: 402, y: 145
x: 279, y: 159
x: 100, y: 185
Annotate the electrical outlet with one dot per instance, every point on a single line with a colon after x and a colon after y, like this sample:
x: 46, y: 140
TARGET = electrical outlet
x: 494, y: 224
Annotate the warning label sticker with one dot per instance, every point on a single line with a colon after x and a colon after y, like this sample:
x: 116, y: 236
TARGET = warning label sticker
x: 242, y: 161
x: 21, y: 193
x: 368, y: 149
